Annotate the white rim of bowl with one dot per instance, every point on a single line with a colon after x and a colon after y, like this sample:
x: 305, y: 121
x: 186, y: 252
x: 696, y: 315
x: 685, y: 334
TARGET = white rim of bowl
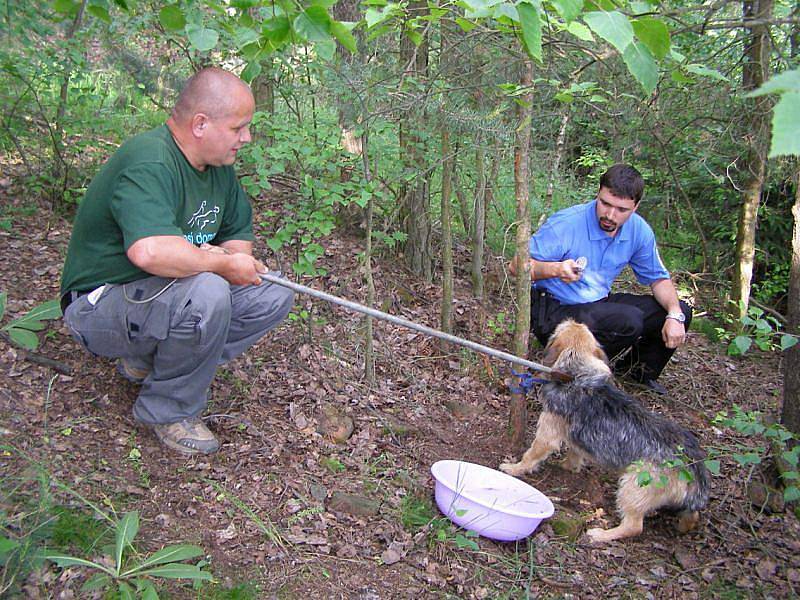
x: 508, y: 511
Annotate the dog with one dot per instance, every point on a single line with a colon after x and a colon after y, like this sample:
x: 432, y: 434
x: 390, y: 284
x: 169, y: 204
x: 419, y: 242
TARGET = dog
x: 600, y: 423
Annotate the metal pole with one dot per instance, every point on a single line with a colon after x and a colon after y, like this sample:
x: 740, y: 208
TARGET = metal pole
x: 415, y: 326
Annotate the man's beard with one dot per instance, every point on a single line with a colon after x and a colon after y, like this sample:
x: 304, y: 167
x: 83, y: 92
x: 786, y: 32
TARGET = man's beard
x: 607, y: 225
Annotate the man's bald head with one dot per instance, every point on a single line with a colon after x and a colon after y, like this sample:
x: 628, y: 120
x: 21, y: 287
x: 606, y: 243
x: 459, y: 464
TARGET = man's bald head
x: 213, y: 92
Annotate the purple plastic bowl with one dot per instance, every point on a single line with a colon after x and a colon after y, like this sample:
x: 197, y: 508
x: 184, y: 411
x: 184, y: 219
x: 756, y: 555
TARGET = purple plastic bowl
x: 489, y: 502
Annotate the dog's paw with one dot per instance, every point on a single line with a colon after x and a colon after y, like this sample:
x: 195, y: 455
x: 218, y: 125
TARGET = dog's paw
x: 597, y: 535
x: 514, y: 469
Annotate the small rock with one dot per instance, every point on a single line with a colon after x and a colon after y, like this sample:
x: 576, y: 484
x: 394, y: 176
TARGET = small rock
x: 686, y: 559
x: 335, y: 424
x: 353, y: 504
x: 390, y: 556
x: 318, y: 492
x: 163, y: 520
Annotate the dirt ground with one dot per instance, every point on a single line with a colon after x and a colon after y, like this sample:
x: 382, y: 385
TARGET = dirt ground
x: 297, y: 514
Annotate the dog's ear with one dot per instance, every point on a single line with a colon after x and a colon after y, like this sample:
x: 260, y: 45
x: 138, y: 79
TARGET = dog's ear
x: 598, y: 353
x: 551, y: 352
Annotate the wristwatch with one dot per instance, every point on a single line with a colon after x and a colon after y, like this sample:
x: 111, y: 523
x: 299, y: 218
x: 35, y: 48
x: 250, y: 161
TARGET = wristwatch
x: 678, y: 316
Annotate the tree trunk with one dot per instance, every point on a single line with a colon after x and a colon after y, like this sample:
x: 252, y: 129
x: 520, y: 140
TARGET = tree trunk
x: 59, y: 162
x: 369, y: 352
x: 447, y: 234
x: 518, y: 408
x: 263, y: 87
x: 561, y: 142
x: 755, y: 71
x: 790, y: 415
x: 414, y: 195
x: 478, y: 220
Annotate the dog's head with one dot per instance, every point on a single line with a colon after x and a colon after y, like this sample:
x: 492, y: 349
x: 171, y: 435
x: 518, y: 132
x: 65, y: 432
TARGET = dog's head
x: 572, y: 348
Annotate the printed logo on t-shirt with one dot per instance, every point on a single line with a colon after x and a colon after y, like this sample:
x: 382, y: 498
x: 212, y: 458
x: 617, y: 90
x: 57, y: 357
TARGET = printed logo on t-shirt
x: 200, y: 220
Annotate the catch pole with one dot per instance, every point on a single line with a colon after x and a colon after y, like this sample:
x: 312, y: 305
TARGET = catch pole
x: 360, y: 308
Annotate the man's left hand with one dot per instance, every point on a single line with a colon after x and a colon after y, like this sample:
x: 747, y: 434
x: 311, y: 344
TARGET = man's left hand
x: 673, y: 333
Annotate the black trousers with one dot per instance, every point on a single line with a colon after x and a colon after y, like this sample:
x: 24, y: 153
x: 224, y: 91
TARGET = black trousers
x: 619, y: 322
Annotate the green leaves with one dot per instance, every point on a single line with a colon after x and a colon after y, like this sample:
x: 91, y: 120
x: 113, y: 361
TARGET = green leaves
x: 642, y: 65
x: 172, y: 18
x: 653, y: 34
x: 21, y: 330
x: 786, y: 114
x: 137, y: 580
x: 531, y: 29
x: 568, y: 9
x: 202, y: 38
x: 127, y: 529
x: 640, y: 42
x: 786, y: 126
x: 612, y: 26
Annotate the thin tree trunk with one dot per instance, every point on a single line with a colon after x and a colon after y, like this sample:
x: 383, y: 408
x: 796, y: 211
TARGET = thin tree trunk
x: 414, y: 195
x: 790, y: 415
x: 755, y: 72
x: 447, y: 234
x: 463, y: 205
x: 518, y: 407
x: 561, y: 142
x: 264, y: 93
x: 492, y: 179
x: 369, y: 352
x: 479, y: 221
x: 59, y: 162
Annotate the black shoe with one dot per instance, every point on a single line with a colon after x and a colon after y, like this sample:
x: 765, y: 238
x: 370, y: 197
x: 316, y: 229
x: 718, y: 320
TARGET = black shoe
x: 654, y: 386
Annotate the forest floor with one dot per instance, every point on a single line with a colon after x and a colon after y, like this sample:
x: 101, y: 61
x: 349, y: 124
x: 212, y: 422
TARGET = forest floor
x: 285, y: 511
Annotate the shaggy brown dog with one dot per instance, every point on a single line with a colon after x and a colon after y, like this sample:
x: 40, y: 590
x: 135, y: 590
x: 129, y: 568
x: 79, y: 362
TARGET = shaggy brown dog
x: 600, y: 423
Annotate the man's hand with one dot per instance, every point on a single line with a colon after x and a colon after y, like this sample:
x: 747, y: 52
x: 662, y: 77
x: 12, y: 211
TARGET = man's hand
x: 213, y: 249
x: 243, y: 269
x: 569, y: 271
x: 673, y: 333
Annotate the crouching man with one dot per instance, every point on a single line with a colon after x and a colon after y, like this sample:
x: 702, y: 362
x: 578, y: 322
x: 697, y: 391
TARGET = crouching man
x: 160, y: 272
x: 575, y: 258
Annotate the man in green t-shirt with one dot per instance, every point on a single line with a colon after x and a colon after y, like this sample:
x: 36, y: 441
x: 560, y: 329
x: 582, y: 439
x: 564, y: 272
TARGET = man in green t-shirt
x: 160, y: 272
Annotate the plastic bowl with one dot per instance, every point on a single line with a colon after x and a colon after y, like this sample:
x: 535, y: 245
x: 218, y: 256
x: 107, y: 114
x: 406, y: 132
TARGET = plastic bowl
x: 489, y: 502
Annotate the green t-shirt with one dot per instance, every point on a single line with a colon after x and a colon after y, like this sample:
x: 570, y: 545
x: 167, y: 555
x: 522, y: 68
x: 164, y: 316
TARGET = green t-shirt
x: 148, y: 188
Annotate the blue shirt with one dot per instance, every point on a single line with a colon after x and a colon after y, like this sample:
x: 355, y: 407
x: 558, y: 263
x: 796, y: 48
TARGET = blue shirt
x: 575, y: 232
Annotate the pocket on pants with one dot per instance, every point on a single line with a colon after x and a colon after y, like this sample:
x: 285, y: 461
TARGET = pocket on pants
x: 99, y: 335
x: 147, y: 321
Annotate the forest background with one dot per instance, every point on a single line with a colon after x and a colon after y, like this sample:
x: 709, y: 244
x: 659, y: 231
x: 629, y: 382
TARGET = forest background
x: 442, y: 133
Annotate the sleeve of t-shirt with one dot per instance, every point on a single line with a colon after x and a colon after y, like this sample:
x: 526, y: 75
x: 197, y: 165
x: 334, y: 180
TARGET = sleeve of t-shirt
x: 237, y: 221
x: 546, y: 244
x: 144, y: 203
x: 646, y: 262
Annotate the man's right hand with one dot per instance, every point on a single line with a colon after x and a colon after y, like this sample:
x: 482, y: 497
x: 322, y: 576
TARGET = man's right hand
x: 569, y: 271
x: 242, y: 269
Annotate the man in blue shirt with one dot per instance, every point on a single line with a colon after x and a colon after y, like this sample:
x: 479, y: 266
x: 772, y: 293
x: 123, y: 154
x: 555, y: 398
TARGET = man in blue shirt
x: 576, y: 256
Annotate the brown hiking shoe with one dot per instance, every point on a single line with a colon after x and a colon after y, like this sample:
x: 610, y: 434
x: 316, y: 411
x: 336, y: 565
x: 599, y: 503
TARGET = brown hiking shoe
x: 189, y: 436
x: 131, y: 373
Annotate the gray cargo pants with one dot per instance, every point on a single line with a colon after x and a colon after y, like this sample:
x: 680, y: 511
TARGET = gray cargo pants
x: 180, y: 336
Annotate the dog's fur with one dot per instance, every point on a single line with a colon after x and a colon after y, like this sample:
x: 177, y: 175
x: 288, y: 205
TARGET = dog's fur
x: 600, y: 423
